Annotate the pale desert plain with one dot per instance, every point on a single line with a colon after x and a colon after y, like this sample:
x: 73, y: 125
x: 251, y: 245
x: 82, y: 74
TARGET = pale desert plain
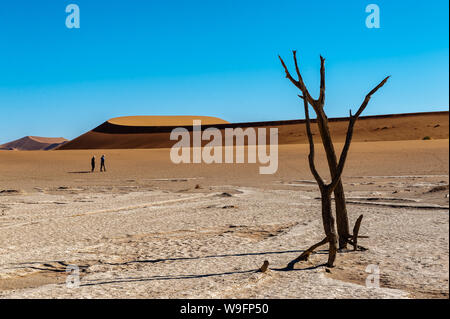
x: 149, y: 228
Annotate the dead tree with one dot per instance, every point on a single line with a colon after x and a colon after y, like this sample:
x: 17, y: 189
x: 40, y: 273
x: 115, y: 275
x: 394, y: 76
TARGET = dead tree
x: 322, y: 121
x: 335, y: 167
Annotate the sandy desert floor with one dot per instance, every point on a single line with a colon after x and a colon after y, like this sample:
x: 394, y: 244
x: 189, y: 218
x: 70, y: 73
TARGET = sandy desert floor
x: 148, y: 228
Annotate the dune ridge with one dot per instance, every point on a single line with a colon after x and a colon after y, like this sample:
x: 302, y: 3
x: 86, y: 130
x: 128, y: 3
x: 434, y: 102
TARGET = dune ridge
x: 164, y: 121
x: 154, y: 132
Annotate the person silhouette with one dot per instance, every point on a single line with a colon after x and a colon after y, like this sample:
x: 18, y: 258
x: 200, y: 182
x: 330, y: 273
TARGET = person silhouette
x: 92, y: 163
x: 102, y: 164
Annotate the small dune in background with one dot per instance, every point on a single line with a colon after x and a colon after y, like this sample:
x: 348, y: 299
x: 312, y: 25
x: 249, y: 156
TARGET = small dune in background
x: 34, y: 143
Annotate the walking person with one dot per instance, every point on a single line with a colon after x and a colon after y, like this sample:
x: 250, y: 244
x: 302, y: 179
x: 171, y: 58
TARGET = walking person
x: 102, y: 164
x: 92, y: 164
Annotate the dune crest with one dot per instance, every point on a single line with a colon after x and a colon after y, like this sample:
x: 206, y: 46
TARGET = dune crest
x: 160, y: 121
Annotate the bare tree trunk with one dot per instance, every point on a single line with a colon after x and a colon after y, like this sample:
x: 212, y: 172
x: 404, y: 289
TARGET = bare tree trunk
x: 339, y: 196
x: 341, y: 215
x: 328, y: 225
x: 325, y: 192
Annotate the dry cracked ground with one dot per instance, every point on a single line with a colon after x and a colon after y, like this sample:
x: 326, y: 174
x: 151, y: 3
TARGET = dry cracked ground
x: 182, y: 238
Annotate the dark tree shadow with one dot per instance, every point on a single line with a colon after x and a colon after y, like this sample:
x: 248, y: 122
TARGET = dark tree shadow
x: 203, y: 257
x: 175, y: 277
x: 290, y: 267
x: 193, y: 276
x: 47, y: 267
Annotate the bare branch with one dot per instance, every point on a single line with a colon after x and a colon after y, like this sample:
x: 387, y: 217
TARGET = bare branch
x: 299, y: 84
x: 356, y: 231
x: 369, y: 95
x: 349, y: 136
x: 305, y: 255
x: 300, y: 79
x: 321, y: 99
x: 288, y: 75
x: 344, y: 153
x: 312, y: 166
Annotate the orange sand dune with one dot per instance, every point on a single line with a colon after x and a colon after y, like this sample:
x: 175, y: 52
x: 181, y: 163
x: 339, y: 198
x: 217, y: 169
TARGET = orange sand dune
x: 154, y: 132
x: 34, y: 143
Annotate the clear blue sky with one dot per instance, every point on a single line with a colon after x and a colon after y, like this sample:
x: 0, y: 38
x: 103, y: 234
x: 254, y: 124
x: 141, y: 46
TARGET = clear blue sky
x: 212, y: 57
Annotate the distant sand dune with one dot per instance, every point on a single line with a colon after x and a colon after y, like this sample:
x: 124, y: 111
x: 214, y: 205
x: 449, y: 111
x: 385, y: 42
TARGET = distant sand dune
x: 154, y: 131
x: 34, y: 143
